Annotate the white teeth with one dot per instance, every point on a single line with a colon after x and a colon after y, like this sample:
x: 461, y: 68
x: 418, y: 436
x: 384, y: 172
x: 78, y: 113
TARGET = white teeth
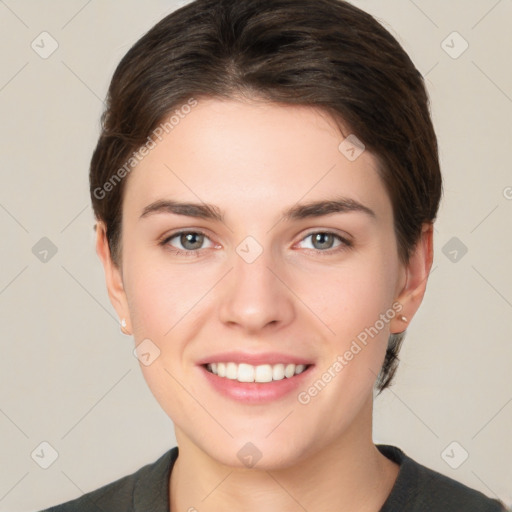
x: 245, y: 373
x: 289, y: 370
x: 278, y: 372
x: 262, y: 373
x: 231, y: 371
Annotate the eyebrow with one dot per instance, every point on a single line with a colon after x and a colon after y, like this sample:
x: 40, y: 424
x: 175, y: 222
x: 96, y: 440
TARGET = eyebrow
x: 296, y: 212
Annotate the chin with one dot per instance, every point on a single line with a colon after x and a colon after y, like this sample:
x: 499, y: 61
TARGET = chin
x: 258, y: 454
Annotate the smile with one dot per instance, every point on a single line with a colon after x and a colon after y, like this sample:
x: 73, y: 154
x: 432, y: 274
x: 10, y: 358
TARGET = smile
x: 244, y: 372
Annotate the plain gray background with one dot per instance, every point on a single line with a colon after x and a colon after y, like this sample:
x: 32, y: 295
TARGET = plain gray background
x: 69, y: 377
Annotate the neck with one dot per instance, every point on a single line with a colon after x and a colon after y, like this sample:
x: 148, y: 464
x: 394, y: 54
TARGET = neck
x: 348, y: 474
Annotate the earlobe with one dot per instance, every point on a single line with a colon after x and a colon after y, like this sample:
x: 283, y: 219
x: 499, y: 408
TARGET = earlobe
x: 113, y: 277
x: 417, y: 271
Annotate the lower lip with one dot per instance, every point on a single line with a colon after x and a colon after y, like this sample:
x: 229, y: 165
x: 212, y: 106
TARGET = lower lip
x: 256, y: 392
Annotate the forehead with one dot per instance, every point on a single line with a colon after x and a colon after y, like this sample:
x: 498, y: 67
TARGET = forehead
x: 250, y: 155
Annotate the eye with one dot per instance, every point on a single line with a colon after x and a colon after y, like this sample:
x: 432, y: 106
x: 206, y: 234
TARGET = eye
x: 323, y: 241
x: 190, y: 241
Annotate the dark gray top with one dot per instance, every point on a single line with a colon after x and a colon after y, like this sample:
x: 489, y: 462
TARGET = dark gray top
x: 417, y: 489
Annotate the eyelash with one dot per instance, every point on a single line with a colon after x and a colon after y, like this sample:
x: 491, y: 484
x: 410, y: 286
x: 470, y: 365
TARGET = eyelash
x: 345, y: 243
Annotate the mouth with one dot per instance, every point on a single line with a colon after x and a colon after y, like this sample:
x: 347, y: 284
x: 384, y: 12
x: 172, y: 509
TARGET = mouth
x: 263, y: 373
x: 256, y: 378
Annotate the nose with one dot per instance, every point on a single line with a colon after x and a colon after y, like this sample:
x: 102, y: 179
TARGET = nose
x: 255, y: 295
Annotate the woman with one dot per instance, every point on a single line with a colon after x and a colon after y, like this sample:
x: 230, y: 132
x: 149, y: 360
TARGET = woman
x: 265, y: 187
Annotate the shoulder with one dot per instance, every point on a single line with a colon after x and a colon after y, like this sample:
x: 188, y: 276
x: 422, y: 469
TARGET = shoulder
x: 145, y: 489
x: 420, y: 489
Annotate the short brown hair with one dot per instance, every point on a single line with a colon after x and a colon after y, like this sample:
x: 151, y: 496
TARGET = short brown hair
x: 322, y: 53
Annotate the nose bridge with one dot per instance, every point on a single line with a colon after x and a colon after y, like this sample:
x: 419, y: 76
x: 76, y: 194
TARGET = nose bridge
x: 254, y: 296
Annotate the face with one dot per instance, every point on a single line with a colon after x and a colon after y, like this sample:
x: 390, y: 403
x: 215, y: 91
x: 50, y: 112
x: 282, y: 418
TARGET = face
x: 262, y: 275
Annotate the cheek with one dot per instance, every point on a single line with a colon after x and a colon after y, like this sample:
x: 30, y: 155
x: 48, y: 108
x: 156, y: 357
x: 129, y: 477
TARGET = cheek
x: 351, y: 296
x: 163, y: 297
x: 164, y: 304
x: 355, y: 301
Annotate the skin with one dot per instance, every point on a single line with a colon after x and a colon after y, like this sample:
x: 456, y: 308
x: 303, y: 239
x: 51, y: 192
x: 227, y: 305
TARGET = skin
x: 253, y: 160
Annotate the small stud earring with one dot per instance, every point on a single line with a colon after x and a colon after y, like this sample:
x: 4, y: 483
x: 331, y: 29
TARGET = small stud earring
x: 123, y: 326
x: 403, y: 318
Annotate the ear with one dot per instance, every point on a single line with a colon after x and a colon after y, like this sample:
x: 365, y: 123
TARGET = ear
x: 113, y: 277
x: 417, y: 271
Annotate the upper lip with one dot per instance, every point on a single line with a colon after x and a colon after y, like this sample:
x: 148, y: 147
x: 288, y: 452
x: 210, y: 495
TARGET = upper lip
x: 254, y: 359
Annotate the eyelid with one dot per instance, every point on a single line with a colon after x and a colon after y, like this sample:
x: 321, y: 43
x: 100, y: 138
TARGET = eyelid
x: 329, y: 231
